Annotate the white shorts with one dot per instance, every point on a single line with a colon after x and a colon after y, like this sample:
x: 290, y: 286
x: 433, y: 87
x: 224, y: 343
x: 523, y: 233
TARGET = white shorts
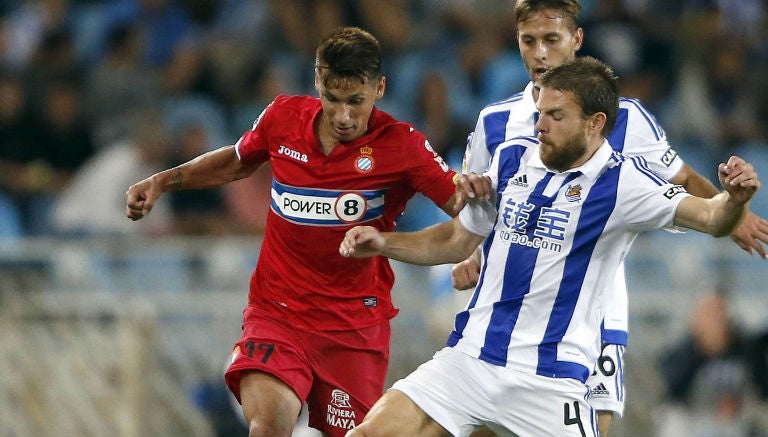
x: 607, y: 380
x: 463, y: 393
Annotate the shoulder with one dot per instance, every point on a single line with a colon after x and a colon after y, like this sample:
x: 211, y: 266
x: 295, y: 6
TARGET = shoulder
x: 638, y: 118
x: 515, y: 149
x: 285, y: 103
x: 286, y: 110
x: 636, y: 169
x: 502, y: 106
x: 384, y: 126
x: 525, y: 142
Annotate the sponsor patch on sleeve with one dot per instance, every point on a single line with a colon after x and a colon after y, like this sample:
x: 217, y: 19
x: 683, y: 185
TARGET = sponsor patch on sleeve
x: 674, y: 191
x: 668, y: 157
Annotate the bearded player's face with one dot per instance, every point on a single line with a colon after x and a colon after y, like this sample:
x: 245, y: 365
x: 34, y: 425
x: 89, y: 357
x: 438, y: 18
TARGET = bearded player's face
x: 562, y: 130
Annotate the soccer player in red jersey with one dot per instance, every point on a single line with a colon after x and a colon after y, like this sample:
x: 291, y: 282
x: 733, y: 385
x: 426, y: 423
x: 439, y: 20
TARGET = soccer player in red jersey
x: 316, y: 327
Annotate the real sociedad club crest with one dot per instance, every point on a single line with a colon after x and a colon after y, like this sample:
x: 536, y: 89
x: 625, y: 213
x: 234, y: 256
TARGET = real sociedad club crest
x: 574, y: 193
x: 364, y: 162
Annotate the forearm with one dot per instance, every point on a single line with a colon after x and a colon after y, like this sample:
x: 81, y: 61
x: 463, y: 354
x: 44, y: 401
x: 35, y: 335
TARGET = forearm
x: 718, y: 216
x: 444, y: 243
x: 209, y: 170
x: 695, y: 183
x: 727, y: 214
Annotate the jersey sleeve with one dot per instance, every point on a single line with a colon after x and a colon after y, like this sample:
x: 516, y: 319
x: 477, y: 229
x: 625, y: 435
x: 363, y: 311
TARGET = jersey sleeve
x: 476, y: 156
x: 430, y: 174
x: 646, y: 138
x: 253, y: 147
x: 479, y: 216
x: 640, y: 185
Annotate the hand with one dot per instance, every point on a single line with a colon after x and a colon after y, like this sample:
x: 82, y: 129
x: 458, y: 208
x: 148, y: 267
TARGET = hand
x: 751, y: 231
x: 739, y: 179
x: 471, y: 186
x: 362, y: 242
x: 140, y: 198
x: 465, y: 274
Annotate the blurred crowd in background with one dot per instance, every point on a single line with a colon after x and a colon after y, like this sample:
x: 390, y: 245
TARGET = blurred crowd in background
x: 98, y: 94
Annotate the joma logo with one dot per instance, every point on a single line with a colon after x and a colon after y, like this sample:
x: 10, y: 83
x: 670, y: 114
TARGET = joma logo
x: 293, y: 154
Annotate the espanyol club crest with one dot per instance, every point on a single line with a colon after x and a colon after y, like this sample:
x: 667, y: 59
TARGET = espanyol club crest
x: 364, y: 162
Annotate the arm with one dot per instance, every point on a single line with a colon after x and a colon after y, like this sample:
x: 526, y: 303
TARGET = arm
x: 447, y: 242
x: 694, y: 183
x: 719, y: 215
x: 465, y: 274
x: 752, y: 230
x: 209, y: 170
x: 468, y: 186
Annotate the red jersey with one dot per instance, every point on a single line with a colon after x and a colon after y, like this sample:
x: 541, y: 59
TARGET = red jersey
x: 300, y: 276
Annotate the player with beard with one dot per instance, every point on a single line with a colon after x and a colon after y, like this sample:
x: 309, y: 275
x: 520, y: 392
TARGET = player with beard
x: 548, y: 35
x: 563, y: 211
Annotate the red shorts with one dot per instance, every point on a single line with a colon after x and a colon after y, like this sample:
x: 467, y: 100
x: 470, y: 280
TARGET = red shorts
x: 339, y: 374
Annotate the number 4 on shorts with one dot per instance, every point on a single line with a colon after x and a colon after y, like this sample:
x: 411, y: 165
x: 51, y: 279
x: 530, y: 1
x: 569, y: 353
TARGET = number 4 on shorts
x: 576, y: 419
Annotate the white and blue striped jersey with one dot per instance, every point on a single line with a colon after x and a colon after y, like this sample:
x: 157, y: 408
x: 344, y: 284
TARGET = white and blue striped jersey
x: 553, y: 243
x: 636, y: 133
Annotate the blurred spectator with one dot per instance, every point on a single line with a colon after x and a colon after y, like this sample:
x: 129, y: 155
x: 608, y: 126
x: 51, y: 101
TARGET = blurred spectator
x: 161, y: 24
x: 64, y: 138
x: 40, y: 153
x: 303, y: 23
x: 707, y: 376
x: 445, y: 58
x: 201, y: 212
x: 118, y: 85
x: 638, y: 54
x: 17, y: 128
x: 759, y: 363
x: 26, y: 26
x: 93, y: 202
x: 239, y: 36
x: 53, y: 61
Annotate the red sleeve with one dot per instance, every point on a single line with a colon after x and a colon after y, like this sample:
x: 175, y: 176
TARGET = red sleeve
x: 430, y: 174
x: 253, y: 147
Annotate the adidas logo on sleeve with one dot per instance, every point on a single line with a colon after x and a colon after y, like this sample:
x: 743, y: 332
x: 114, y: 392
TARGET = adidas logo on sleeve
x: 600, y: 390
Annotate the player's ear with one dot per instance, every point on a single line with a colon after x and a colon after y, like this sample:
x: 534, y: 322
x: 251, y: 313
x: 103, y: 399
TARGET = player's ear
x: 578, y: 39
x: 597, y: 122
x: 317, y: 80
x: 381, y: 85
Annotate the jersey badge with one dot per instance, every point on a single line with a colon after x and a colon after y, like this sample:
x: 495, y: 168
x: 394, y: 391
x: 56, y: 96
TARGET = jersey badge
x: 364, y: 162
x: 573, y: 194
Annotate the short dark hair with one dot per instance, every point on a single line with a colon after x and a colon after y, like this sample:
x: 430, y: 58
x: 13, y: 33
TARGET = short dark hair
x: 592, y: 82
x: 349, y: 52
x: 569, y: 10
